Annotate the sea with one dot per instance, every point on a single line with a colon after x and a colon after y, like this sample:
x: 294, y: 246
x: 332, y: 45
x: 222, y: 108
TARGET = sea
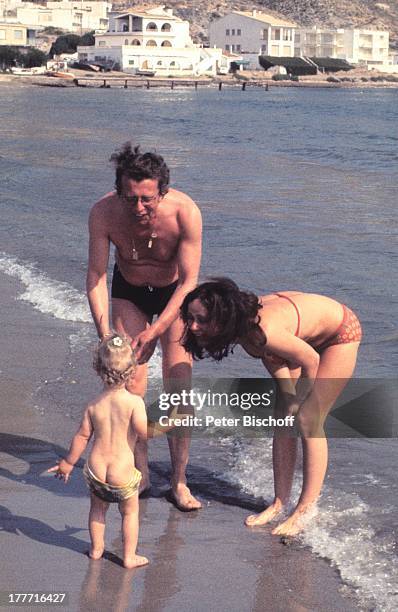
x: 298, y: 190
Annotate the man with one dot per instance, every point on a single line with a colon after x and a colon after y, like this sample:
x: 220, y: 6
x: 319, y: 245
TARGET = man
x: 156, y: 232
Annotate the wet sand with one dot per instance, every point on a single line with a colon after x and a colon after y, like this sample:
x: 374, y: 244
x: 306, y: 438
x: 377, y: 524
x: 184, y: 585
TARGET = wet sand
x: 198, y: 561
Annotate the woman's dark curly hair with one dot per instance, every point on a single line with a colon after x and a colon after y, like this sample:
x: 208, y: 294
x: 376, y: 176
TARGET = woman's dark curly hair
x: 233, y: 312
x: 133, y: 164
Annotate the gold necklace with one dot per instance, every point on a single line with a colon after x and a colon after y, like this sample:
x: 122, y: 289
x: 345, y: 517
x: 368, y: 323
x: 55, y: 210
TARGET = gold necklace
x: 149, y: 245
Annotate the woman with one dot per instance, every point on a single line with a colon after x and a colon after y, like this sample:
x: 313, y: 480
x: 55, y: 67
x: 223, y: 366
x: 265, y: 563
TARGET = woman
x: 308, y: 343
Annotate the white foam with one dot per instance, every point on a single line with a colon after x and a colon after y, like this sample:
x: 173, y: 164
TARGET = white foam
x: 343, y: 531
x: 49, y: 296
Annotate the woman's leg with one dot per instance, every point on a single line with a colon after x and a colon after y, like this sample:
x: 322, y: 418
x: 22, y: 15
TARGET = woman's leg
x: 336, y: 367
x: 96, y: 526
x: 129, y: 511
x: 284, y: 452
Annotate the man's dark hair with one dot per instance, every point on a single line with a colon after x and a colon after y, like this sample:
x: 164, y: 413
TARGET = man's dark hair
x: 233, y: 312
x: 138, y: 166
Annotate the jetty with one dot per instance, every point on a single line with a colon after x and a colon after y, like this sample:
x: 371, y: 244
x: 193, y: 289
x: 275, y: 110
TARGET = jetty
x: 149, y: 83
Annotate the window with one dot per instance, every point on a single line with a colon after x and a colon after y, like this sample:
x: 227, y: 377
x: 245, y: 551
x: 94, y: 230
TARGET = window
x: 159, y: 63
x: 264, y: 34
x: 151, y: 43
x: 287, y: 34
x: 18, y: 34
x: 227, y: 47
x: 135, y: 42
x: 233, y: 32
x: 226, y: 32
x: 238, y: 47
x: 125, y: 27
x: 2, y: 34
x: 238, y: 32
x: 166, y: 43
x: 152, y: 26
x: 102, y: 43
x: 276, y: 34
x: 232, y: 47
x: 166, y: 27
x: 131, y: 62
x: 263, y: 48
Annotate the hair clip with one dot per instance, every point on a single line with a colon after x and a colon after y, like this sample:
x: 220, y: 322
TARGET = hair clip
x: 117, y: 341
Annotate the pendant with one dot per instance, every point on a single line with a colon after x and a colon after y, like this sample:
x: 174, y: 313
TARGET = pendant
x: 150, y: 241
x: 135, y: 255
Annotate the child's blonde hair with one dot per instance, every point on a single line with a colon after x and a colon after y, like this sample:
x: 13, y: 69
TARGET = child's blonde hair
x: 114, y: 360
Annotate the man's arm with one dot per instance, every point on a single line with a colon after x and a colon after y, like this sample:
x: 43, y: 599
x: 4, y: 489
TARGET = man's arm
x: 147, y: 429
x: 188, y: 261
x: 98, y: 258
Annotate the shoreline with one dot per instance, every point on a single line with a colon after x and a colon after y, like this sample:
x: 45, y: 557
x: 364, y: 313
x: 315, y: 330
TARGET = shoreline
x: 126, y: 81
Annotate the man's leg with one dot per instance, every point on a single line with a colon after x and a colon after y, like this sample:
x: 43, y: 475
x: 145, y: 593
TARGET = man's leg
x: 177, y: 375
x: 130, y: 321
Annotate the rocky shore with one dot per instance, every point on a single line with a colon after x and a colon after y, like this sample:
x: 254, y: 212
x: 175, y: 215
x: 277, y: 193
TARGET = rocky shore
x: 245, y: 79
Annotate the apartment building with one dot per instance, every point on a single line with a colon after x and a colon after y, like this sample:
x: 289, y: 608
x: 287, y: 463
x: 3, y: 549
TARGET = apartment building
x: 253, y: 32
x: 365, y: 47
x: 79, y: 16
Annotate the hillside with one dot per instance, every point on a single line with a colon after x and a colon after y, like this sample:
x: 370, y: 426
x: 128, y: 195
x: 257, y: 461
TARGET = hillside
x: 332, y: 13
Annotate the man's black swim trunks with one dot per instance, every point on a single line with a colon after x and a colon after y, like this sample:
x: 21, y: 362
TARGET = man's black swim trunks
x: 150, y: 300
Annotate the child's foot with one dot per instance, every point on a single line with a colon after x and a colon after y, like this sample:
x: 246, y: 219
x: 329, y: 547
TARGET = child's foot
x: 95, y: 553
x: 135, y: 561
x: 264, y: 517
x: 184, y: 499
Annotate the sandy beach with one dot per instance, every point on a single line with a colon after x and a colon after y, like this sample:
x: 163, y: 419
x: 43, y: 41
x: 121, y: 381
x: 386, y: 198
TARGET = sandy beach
x: 198, y: 561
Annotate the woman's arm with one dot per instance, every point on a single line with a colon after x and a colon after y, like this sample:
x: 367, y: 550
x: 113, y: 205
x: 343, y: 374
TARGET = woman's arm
x: 285, y: 352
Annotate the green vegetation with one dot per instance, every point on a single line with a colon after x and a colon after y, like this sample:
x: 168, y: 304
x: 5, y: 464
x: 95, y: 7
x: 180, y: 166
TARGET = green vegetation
x: 68, y: 43
x: 10, y: 56
x: 34, y: 57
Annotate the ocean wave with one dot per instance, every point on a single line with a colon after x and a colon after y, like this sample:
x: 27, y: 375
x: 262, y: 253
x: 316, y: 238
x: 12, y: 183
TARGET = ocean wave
x: 47, y: 295
x: 345, y: 530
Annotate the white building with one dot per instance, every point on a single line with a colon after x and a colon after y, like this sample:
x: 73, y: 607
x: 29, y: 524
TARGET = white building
x: 13, y: 34
x: 151, y: 40
x: 253, y: 33
x: 366, y: 47
x: 79, y: 16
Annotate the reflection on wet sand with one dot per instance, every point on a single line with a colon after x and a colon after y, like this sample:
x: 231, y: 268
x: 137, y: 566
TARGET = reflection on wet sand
x: 107, y: 585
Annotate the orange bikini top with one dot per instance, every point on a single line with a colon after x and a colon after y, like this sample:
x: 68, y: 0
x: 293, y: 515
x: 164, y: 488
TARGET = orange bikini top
x: 286, y: 297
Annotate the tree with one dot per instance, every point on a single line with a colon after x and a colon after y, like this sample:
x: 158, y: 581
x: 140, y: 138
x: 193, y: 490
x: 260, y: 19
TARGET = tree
x: 33, y: 57
x: 68, y: 43
x: 88, y: 39
x: 9, y: 56
x: 65, y: 44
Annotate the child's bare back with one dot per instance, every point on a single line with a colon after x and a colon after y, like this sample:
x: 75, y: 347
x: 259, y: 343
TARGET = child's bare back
x: 114, y: 416
x: 114, y: 420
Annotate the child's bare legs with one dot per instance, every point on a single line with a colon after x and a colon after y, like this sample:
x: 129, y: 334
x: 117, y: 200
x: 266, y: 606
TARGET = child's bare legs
x: 96, y: 525
x: 336, y: 368
x: 129, y: 511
